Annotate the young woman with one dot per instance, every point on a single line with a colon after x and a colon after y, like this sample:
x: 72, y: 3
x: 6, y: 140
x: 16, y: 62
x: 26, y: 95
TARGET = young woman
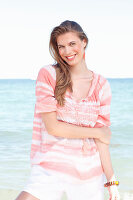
x: 71, y: 134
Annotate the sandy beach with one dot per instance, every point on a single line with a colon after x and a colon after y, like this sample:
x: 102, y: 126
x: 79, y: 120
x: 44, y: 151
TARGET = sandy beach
x: 6, y: 194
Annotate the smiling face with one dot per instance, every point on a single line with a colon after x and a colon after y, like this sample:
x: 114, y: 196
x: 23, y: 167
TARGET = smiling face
x: 71, y: 48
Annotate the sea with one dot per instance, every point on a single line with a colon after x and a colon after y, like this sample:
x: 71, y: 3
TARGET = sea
x: 17, y: 102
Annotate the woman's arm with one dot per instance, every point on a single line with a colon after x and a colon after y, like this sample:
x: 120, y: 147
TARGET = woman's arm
x: 66, y: 130
x: 105, y: 160
x: 107, y: 168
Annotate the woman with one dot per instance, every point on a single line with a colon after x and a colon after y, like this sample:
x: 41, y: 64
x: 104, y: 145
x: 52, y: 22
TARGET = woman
x: 71, y: 134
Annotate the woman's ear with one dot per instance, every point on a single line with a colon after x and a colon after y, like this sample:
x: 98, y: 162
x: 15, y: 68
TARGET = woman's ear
x: 84, y: 43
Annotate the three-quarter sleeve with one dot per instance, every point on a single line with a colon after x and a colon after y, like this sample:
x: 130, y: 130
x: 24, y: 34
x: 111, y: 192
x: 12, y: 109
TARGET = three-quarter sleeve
x: 44, y: 91
x: 105, y: 96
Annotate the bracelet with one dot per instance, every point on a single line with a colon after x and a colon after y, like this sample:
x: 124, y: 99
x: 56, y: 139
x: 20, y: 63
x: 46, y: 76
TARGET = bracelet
x: 111, y: 183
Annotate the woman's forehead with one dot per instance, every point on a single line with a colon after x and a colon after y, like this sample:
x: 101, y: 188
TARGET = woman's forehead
x: 67, y: 37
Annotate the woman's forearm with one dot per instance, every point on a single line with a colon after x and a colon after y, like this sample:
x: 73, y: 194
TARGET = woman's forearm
x: 71, y: 131
x: 105, y: 160
x: 63, y: 129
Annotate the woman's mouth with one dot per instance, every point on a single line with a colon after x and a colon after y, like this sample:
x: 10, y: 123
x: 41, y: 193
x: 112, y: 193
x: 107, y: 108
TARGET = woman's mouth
x: 71, y: 57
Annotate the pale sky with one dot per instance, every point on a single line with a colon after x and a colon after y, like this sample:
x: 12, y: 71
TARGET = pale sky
x: 25, y: 28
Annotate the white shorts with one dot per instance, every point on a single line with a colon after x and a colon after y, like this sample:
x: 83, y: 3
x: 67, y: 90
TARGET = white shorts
x: 45, y: 186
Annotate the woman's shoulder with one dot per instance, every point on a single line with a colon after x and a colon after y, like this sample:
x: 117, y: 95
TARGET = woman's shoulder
x: 47, y: 71
x: 102, y: 83
x: 101, y: 78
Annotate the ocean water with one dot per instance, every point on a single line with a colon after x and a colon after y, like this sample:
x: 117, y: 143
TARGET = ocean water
x: 17, y: 100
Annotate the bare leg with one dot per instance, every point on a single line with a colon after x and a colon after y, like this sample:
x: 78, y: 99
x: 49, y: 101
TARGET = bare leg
x: 26, y: 196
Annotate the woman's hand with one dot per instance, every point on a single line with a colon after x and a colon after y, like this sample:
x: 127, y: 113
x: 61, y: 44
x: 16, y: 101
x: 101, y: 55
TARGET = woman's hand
x: 105, y: 134
x: 113, y: 193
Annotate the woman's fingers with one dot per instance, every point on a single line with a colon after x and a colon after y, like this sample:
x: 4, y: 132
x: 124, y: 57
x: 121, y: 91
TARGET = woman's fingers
x: 115, y: 196
x: 114, y: 193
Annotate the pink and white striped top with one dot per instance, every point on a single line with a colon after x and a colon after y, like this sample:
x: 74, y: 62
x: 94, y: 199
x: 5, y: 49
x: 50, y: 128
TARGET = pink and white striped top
x: 72, y: 159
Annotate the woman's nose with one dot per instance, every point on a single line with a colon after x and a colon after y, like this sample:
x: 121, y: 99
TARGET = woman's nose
x: 67, y: 51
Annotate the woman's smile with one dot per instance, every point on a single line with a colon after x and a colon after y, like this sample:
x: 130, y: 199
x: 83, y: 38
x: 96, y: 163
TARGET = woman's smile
x: 72, y: 57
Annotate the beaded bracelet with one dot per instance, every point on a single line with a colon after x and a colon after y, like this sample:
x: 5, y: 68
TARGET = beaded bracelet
x: 111, y: 183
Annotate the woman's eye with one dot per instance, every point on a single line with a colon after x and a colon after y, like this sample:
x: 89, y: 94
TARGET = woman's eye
x: 59, y: 47
x: 72, y: 44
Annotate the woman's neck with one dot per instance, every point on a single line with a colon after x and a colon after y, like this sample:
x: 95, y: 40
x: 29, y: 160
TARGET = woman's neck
x: 80, y: 71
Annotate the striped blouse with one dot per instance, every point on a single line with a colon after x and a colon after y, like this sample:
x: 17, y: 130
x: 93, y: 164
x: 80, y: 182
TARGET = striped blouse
x: 72, y: 159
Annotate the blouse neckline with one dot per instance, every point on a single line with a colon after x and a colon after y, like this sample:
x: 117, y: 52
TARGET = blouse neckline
x: 92, y: 87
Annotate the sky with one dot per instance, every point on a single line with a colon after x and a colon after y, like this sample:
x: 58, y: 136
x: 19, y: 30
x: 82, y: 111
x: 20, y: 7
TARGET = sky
x: 25, y: 28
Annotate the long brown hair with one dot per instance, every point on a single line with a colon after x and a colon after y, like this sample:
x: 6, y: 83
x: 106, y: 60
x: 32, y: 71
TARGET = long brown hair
x: 63, y: 76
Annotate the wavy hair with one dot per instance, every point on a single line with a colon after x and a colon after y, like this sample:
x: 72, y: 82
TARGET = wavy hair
x: 63, y: 76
